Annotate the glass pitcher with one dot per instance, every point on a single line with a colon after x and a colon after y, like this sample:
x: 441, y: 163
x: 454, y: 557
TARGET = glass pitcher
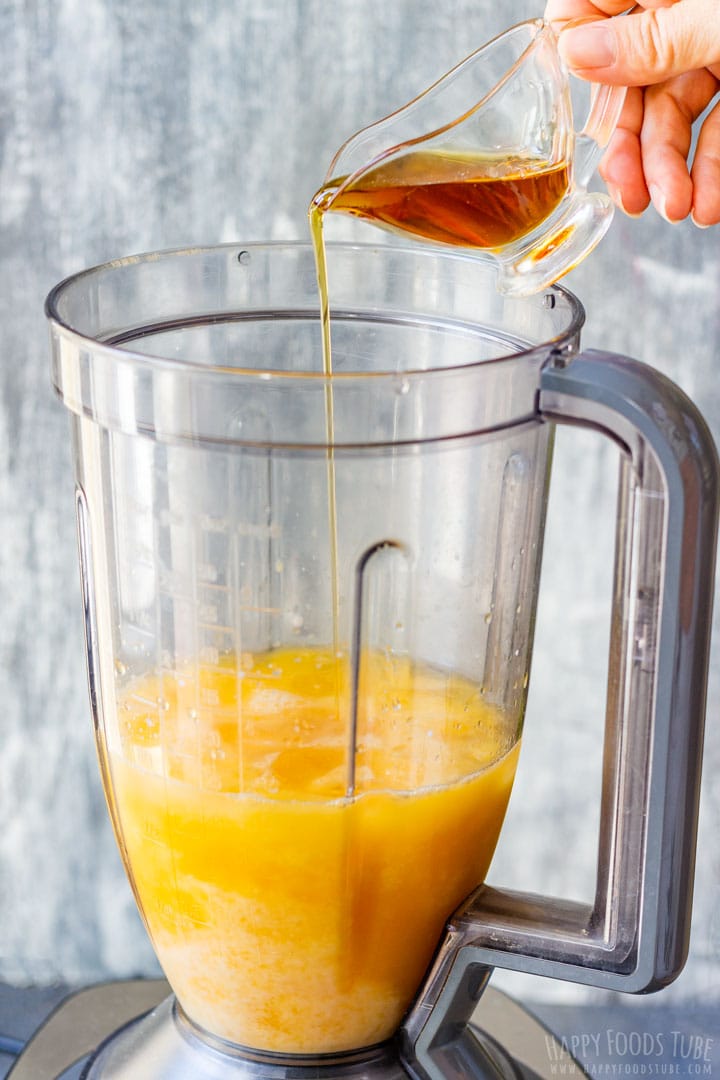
x: 309, y: 606
x: 488, y: 158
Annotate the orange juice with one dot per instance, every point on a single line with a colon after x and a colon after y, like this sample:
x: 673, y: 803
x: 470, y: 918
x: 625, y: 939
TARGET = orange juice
x: 293, y: 905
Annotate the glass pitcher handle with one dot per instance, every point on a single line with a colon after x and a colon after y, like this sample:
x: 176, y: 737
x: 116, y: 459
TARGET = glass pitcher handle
x: 605, y: 109
x: 634, y: 937
x: 606, y: 104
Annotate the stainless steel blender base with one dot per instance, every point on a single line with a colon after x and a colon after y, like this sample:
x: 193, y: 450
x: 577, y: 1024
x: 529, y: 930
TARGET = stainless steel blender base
x: 162, y: 1045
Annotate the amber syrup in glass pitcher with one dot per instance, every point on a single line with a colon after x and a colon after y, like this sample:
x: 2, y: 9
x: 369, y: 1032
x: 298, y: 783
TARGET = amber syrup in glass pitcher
x: 468, y: 200
x: 487, y: 158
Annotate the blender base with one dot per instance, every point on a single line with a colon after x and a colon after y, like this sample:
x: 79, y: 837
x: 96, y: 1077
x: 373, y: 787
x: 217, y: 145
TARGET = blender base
x: 163, y: 1045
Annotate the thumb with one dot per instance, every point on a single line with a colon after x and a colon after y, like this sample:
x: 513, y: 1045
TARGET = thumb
x: 647, y: 46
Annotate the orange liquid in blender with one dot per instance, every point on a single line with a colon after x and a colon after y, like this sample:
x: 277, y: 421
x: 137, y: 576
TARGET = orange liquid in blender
x: 288, y: 916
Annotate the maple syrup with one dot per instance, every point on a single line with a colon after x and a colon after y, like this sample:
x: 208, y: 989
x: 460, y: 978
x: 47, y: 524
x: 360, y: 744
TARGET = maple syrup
x: 315, y: 216
x: 467, y: 200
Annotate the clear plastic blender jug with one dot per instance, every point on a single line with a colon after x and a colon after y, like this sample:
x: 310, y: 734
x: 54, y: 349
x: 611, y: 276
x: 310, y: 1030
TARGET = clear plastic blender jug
x: 309, y: 608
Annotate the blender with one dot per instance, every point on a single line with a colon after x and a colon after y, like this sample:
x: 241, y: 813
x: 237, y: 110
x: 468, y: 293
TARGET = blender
x: 309, y: 603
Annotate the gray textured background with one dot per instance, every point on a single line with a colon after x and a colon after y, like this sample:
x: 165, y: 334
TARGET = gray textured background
x: 136, y: 125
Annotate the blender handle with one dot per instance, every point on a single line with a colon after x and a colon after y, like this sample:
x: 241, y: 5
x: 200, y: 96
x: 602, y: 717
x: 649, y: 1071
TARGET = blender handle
x: 634, y: 937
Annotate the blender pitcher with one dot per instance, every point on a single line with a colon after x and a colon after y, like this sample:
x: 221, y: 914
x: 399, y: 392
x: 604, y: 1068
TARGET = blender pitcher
x: 309, y: 605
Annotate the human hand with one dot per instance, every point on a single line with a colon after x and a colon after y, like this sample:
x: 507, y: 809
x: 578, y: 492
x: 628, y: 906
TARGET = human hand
x: 668, y: 53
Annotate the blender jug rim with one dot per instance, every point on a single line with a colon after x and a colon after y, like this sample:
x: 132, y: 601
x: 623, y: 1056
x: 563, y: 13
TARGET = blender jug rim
x: 116, y: 345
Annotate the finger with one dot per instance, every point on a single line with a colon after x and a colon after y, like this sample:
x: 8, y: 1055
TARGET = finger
x: 665, y: 140
x: 621, y: 167
x: 647, y: 47
x: 571, y: 9
x: 561, y: 11
x: 706, y: 172
x: 670, y: 111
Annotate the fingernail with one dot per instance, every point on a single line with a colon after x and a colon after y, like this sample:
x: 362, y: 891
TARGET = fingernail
x: 590, y: 46
x: 659, y: 201
x: 698, y: 223
x: 616, y: 197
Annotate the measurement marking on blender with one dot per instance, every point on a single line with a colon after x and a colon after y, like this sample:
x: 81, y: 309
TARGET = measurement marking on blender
x: 210, y: 524
x: 151, y: 703
x: 217, y: 634
x: 208, y: 615
x: 152, y: 832
x: 262, y: 532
